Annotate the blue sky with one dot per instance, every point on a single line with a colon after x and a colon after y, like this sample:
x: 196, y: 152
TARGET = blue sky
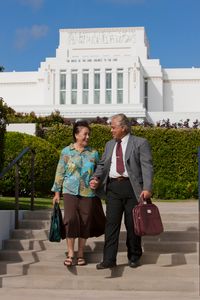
x: 29, y: 30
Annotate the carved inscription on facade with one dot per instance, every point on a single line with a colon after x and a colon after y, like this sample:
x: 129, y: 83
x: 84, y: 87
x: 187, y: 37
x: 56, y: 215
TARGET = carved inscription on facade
x: 75, y: 38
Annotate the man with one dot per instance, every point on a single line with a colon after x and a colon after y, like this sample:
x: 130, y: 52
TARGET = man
x: 125, y: 174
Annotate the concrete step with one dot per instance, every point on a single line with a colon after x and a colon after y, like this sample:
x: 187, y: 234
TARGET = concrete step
x: 182, y: 263
x: 39, y: 234
x: 15, y: 255
x: 34, y: 224
x: 191, y: 225
x: 51, y: 268
x: 57, y: 255
x: 170, y: 247
x: 61, y: 294
x: 113, y: 281
x: 174, y: 216
x: 38, y: 215
x: 149, y: 244
x: 14, y: 268
x: 147, y: 257
x: 177, y: 231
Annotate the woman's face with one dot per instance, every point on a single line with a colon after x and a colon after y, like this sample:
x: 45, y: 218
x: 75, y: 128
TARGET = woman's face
x: 82, y: 137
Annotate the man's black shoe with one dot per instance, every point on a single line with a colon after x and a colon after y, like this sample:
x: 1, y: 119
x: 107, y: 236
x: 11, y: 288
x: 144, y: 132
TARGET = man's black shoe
x: 134, y: 263
x: 102, y: 265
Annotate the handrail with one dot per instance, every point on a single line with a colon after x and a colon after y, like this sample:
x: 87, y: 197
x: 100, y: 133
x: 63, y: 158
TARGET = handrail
x: 5, y: 170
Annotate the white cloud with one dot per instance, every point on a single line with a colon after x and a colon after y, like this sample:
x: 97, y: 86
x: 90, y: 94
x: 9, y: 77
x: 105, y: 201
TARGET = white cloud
x: 36, y: 4
x: 25, y: 35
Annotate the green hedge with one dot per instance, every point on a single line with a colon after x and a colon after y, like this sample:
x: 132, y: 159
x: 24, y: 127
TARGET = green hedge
x: 175, y: 161
x: 174, y: 155
x: 3, y: 121
x: 46, y: 159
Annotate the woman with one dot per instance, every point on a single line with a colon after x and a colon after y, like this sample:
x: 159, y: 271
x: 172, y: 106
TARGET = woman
x: 75, y: 168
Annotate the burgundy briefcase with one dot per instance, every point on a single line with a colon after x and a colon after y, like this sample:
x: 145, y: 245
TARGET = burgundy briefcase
x: 146, y: 218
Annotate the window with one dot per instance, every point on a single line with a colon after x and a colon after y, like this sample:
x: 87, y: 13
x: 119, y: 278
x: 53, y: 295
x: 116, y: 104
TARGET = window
x: 146, y: 93
x: 74, y: 85
x: 62, y: 86
x: 85, y: 86
x: 96, y: 86
x: 119, y: 86
x: 108, y: 99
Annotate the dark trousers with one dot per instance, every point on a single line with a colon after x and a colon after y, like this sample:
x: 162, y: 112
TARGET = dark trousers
x: 120, y: 199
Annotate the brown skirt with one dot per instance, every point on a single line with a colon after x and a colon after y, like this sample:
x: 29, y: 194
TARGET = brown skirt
x: 83, y: 216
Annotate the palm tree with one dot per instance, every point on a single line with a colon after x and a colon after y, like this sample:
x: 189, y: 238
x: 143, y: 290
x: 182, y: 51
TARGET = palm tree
x: 2, y: 68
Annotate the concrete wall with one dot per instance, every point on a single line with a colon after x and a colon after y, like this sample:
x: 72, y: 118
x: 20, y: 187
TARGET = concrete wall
x: 28, y: 128
x: 7, y: 224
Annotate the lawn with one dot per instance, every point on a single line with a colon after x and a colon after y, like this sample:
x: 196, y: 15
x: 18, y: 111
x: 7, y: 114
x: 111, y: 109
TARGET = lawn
x: 8, y: 203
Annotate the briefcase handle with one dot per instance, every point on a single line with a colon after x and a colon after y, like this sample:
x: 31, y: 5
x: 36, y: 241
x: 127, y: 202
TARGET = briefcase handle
x: 144, y: 201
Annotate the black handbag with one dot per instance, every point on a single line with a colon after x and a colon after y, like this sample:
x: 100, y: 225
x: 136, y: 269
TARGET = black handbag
x: 57, y: 230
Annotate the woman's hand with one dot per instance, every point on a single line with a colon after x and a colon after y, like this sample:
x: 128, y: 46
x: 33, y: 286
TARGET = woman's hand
x: 56, y: 198
x: 94, y: 183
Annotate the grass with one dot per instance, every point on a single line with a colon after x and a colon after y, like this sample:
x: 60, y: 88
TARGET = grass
x: 8, y: 203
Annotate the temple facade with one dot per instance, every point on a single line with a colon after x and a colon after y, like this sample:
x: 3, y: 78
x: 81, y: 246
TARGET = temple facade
x: 101, y: 72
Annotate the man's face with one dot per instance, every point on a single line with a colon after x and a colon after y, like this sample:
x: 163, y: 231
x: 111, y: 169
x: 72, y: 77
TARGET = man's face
x: 118, y: 132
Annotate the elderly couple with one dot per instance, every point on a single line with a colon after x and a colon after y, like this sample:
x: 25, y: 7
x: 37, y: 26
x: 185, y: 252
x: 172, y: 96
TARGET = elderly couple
x: 121, y: 177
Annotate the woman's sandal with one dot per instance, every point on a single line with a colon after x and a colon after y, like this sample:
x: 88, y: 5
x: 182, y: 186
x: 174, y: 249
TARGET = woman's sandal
x: 69, y: 261
x: 81, y: 261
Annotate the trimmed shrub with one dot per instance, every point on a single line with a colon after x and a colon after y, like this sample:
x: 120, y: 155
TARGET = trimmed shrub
x: 4, y: 111
x: 59, y: 135
x: 46, y: 158
x: 175, y: 161
x: 174, y: 155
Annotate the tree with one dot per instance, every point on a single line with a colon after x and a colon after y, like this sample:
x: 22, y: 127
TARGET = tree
x: 2, y: 68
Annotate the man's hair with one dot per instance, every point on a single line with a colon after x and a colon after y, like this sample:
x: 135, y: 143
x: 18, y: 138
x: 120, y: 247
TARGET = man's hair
x: 123, y: 121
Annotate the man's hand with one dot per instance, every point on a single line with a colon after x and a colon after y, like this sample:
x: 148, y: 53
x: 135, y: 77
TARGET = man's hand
x: 145, y: 195
x: 94, y: 183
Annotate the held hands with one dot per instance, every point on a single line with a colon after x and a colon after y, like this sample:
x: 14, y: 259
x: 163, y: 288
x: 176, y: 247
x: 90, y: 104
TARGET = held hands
x: 56, y: 198
x: 94, y: 183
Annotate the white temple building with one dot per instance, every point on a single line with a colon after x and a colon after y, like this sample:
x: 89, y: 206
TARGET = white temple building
x: 101, y: 72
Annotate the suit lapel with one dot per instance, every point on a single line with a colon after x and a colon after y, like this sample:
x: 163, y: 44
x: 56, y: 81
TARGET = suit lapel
x: 112, y: 145
x: 129, y: 147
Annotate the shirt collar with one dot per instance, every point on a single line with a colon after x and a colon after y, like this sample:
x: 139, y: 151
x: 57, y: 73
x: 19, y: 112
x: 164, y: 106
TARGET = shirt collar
x: 125, y: 138
x: 71, y: 146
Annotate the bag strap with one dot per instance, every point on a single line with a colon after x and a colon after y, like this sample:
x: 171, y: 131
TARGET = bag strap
x: 143, y: 201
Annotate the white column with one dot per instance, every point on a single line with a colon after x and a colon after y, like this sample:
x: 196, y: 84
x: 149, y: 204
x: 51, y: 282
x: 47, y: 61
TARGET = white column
x: 91, y: 86
x: 102, y: 86
x: 114, y: 86
x: 125, y: 86
x: 68, y: 86
x: 137, y: 84
x: 79, y: 87
x: 55, y: 87
x: 131, y: 86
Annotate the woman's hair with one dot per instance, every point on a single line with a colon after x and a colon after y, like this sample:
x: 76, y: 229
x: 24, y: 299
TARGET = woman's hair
x: 77, y: 127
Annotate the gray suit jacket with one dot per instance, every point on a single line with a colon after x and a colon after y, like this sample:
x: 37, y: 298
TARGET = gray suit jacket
x: 138, y: 161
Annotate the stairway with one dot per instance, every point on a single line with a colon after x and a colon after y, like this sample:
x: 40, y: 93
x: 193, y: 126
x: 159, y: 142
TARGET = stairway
x: 169, y: 263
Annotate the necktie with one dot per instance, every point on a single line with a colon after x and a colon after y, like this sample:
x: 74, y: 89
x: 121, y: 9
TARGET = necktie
x: 119, y: 158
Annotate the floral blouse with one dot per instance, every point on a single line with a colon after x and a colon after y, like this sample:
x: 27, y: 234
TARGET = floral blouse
x: 74, y: 171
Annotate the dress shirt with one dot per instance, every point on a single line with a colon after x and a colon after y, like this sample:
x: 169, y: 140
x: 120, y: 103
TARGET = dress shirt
x: 113, y: 173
